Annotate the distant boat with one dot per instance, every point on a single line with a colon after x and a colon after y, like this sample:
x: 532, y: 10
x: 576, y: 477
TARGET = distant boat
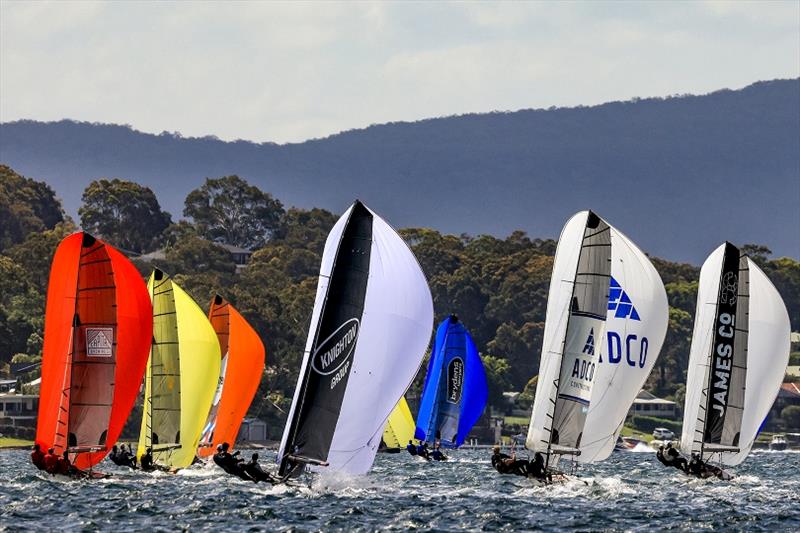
x: 455, y: 390
x: 182, y: 374
x: 605, y: 324
x: 738, y: 357
x: 778, y: 443
x: 369, y: 331
x: 241, y: 368
x: 97, y: 330
x: 399, y: 428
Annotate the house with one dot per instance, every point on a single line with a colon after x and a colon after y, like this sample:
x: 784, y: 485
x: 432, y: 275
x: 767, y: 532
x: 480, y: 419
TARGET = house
x: 240, y: 256
x: 252, y: 430
x: 18, y: 410
x: 647, y: 404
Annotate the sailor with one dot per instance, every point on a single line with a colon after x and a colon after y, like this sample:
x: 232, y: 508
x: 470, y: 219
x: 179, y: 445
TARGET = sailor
x: 51, y: 461
x: 437, y: 454
x: 422, y: 451
x: 230, y: 463
x: 410, y: 448
x: 127, y: 457
x: 506, y: 464
x: 536, y: 466
x: 37, y: 457
x: 146, y: 460
x: 696, y: 466
x: 253, y: 469
x: 63, y: 466
x: 115, y: 456
x: 674, y: 458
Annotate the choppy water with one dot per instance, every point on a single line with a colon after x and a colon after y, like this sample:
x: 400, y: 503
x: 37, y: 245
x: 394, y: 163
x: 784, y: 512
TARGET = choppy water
x: 630, y: 491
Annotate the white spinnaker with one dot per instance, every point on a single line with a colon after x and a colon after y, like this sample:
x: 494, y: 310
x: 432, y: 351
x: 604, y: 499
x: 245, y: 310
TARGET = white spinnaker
x: 562, y: 281
x: 628, y: 351
x: 326, y: 265
x: 767, y: 356
x: 395, y: 331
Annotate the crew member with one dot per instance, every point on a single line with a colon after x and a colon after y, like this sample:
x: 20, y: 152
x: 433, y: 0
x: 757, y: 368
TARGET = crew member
x: 537, y: 468
x: 253, y: 469
x: 437, y: 454
x: 63, y: 466
x: 410, y: 448
x: 37, y: 456
x: 51, y: 461
x: 674, y: 458
x: 146, y: 460
x: 115, y: 456
x: 506, y: 464
x: 422, y: 451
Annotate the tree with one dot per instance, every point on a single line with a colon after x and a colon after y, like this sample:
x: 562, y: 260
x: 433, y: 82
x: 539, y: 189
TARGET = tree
x: 791, y: 416
x: 231, y: 211
x: 26, y: 206
x: 123, y: 213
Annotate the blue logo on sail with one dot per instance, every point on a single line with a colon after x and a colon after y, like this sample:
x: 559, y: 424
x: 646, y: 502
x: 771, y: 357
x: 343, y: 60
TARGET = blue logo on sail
x: 620, y: 303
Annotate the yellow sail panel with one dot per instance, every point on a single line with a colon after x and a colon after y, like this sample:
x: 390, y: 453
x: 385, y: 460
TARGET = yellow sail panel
x: 400, y: 426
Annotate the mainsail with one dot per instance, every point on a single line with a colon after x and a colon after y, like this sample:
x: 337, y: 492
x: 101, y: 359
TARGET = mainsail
x: 606, y: 321
x: 241, y: 369
x: 97, y: 327
x: 455, y: 390
x: 369, y: 331
x: 399, y: 427
x: 739, y: 353
x: 181, y: 377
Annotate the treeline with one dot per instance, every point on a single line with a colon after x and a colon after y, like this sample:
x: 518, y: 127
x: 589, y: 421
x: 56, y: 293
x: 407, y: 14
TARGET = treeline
x: 498, y: 287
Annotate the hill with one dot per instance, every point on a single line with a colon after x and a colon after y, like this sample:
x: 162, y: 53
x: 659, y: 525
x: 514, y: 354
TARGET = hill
x: 679, y: 175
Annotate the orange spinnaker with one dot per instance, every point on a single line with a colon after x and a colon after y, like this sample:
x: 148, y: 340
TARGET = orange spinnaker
x: 97, y: 333
x: 242, y: 372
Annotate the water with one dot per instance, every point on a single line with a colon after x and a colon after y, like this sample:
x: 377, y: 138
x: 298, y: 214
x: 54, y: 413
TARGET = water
x: 630, y: 491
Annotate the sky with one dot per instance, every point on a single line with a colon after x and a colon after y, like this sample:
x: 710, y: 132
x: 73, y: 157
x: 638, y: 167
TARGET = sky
x: 287, y: 72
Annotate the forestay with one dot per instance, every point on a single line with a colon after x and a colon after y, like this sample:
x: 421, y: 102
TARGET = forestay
x: 738, y: 357
x: 370, y: 328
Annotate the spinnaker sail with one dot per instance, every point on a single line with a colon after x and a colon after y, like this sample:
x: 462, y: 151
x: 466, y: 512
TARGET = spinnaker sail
x: 369, y: 330
x: 455, y: 390
x: 181, y: 378
x: 738, y: 357
x: 605, y: 324
x: 97, y: 329
x: 399, y: 427
x: 241, y: 369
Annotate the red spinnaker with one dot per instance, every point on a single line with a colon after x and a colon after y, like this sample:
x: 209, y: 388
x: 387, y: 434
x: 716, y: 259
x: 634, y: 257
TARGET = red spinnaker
x: 98, y: 328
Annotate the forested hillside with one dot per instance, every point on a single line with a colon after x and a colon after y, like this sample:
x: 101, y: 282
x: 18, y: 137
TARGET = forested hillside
x: 498, y: 287
x: 679, y: 173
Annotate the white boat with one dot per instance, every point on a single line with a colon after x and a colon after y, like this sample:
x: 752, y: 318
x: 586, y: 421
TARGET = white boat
x: 370, y: 328
x: 778, y: 443
x: 738, y: 357
x: 605, y: 324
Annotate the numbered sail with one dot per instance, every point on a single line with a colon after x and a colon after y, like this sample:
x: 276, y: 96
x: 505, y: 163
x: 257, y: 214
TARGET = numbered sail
x: 636, y: 325
x: 181, y: 377
x: 369, y: 331
x: 574, y: 330
x: 455, y: 390
x: 97, y: 330
x: 738, y: 356
x: 399, y: 427
x: 241, y: 368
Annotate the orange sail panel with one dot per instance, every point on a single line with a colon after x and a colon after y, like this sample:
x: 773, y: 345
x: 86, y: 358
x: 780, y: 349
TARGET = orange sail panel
x: 98, y: 327
x: 240, y: 374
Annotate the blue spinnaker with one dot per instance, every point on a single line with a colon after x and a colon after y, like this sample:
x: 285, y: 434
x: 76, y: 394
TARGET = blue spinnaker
x: 455, y: 390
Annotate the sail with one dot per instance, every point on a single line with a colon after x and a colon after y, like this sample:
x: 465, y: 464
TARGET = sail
x: 636, y: 325
x: 241, y: 369
x: 181, y: 377
x: 455, y: 390
x: 399, y: 427
x: 369, y: 331
x: 738, y: 356
x: 574, y: 329
x: 97, y: 327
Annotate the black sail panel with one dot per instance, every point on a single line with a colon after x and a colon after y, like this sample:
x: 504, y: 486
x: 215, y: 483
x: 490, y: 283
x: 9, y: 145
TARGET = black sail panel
x: 337, y: 330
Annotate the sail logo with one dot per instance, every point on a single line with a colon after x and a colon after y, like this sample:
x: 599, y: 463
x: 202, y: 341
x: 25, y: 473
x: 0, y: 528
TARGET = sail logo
x: 620, y: 302
x: 589, y: 347
x: 729, y: 288
x: 99, y: 342
x: 335, y: 351
x: 455, y: 380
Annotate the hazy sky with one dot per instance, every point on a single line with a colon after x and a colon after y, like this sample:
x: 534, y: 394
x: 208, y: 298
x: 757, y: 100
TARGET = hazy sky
x: 286, y: 72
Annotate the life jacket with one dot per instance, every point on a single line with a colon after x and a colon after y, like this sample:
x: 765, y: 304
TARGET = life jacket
x: 50, y: 463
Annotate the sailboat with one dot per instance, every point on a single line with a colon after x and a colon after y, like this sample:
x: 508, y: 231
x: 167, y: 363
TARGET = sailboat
x: 369, y: 330
x: 241, y: 368
x: 399, y: 428
x: 738, y: 357
x: 181, y: 378
x: 97, y: 329
x: 455, y: 390
x: 605, y: 324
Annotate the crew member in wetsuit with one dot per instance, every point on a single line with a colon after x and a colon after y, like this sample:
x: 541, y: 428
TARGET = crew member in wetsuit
x: 674, y: 458
x: 537, y: 468
x: 437, y: 454
x: 410, y: 448
x: 37, y: 457
x: 506, y: 464
x: 253, y: 469
x: 64, y: 466
x: 115, y: 456
x: 230, y: 463
x: 146, y: 461
x: 51, y: 461
x: 422, y: 451
x: 127, y: 456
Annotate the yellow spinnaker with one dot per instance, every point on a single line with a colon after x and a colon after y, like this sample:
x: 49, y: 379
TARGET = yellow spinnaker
x: 400, y: 426
x: 182, y: 375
